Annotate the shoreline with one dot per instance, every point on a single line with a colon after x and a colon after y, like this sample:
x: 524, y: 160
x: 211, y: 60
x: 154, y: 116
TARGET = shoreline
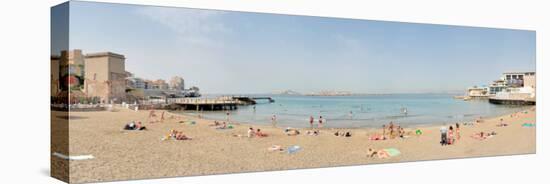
x: 194, y: 114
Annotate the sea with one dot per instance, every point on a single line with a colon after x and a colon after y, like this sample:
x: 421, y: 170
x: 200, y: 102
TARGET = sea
x: 359, y: 111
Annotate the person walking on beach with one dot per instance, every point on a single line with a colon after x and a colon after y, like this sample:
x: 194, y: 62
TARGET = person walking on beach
x: 311, y: 119
x: 320, y: 122
x: 274, y: 120
x: 443, y: 131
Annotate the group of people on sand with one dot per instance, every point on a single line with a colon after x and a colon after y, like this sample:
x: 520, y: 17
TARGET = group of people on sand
x: 222, y: 125
x: 134, y: 126
x: 393, y: 131
x: 177, y: 135
x: 449, y: 136
x: 483, y: 135
x: 342, y: 134
x: 255, y: 133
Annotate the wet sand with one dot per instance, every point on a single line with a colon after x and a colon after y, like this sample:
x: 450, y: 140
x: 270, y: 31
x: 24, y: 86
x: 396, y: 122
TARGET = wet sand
x: 125, y: 155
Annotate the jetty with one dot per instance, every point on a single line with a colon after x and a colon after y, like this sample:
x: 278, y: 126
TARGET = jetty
x: 214, y: 104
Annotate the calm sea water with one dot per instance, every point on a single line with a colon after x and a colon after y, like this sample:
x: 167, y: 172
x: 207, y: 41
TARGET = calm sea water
x: 364, y: 111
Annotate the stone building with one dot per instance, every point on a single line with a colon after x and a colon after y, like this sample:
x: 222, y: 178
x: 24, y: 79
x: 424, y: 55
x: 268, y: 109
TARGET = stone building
x: 105, y: 76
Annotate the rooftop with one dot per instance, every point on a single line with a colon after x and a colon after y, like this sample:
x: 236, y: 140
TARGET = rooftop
x: 105, y: 54
x: 516, y: 73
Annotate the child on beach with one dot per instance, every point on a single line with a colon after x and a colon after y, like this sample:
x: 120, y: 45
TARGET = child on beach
x: 320, y: 122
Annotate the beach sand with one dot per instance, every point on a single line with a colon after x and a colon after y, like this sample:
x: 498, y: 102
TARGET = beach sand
x: 126, y: 155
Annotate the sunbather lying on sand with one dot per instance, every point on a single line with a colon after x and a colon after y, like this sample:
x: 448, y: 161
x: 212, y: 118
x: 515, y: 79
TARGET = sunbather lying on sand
x: 313, y: 133
x: 501, y: 123
x: 483, y: 135
x: 259, y: 133
x: 222, y: 126
x: 176, y: 135
x: 344, y: 134
x: 134, y: 126
x: 377, y: 137
x: 291, y: 132
x: 216, y: 123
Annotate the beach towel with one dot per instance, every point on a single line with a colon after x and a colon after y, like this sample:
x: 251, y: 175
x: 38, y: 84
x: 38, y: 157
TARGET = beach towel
x: 376, y: 137
x: 77, y: 157
x: 388, y: 152
x: 294, y: 149
x: 392, y: 152
x: 528, y: 125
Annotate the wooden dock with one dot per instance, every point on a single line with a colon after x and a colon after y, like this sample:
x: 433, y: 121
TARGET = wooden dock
x: 214, y: 104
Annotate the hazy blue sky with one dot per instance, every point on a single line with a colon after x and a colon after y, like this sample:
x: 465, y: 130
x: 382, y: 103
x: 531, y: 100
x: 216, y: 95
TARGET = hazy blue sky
x: 236, y: 52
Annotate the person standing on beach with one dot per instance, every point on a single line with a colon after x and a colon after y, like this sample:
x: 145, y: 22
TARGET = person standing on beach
x: 320, y: 122
x: 443, y: 131
x: 457, y: 131
x: 227, y: 116
x: 311, y: 119
x: 450, y: 136
x: 391, y: 129
x: 384, y: 132
x: 274, y: 120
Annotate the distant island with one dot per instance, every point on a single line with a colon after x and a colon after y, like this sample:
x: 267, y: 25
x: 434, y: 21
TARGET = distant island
x: 287, y: 92
x: 348, y: 93
x: 320, y: 93
x: 330, y: 93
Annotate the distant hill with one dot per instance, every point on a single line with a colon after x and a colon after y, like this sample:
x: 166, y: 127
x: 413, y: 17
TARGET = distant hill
x: 287, y: 92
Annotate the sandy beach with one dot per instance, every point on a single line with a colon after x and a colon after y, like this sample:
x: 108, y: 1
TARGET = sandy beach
x: 121, y: 155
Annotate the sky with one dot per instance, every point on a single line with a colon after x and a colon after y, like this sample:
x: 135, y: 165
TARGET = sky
x: 242, y: 53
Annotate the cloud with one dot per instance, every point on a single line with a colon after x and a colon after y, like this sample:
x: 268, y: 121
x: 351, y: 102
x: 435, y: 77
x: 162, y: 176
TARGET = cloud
x: 197, y: 27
